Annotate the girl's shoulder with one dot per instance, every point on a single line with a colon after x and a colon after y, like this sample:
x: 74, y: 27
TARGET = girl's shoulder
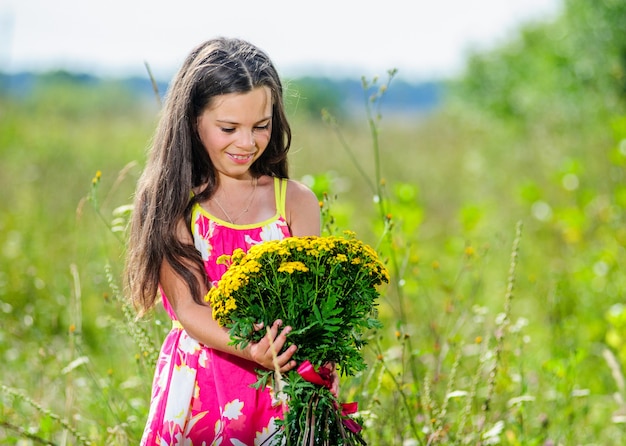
x: 299, y: 191
x: 302, y: 208
x: 196, y: 190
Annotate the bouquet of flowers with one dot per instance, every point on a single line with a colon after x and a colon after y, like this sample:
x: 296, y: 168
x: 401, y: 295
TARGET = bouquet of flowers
x: 326, y: 289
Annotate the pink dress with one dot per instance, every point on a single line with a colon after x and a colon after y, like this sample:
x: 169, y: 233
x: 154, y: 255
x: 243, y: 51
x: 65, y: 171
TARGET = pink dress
x: 202, y: 396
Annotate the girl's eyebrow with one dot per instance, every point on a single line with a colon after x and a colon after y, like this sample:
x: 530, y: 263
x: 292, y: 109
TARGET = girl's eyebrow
x: 228, y: 121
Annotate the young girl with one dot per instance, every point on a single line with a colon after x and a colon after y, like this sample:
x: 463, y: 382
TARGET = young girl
x: 216, y: 180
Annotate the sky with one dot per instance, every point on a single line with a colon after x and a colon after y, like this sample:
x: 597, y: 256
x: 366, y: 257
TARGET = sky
x: 422, y: 39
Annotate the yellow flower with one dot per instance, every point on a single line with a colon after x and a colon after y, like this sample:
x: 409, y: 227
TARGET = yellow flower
x: 252, y: 266
x: 238, y: 254
x: 230, y: 305
x: 224, y: 259
x: 253, y: 273
x: 341, y: 258
x: 290, y: 267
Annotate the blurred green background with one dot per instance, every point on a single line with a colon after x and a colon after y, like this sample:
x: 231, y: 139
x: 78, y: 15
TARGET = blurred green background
x: 533, y: 131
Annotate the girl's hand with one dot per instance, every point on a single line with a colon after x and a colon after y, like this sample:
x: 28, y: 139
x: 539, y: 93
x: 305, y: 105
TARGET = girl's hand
x: 267, y: 349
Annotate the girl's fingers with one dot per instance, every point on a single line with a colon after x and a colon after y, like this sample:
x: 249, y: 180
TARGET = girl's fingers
x: 284, y: 360
x: 287, y: 367
x: 271, y: 333
x: 274, y: 339
x: 277, y: 344
x: 281, y: 339
x: 258, y: 326
x: 272, y: 343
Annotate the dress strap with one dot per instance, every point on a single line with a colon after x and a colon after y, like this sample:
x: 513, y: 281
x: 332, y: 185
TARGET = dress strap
x: 280, y: 192
x: 176, y: 324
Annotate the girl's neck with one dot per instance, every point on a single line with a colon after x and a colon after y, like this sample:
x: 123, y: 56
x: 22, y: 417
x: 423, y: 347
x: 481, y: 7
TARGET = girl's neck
x: 234, y: 197
x: 228, y: 183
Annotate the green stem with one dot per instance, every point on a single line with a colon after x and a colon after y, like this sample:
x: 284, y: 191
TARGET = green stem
x: 94, y: 201
x: 25, y: 434
x: 405, y: 402
x: 376, y: 151
x: 351, y: 155
x: 501, y: 331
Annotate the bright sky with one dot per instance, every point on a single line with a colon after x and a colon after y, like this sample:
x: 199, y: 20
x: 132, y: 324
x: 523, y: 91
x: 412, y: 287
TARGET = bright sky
x: 421, y: 38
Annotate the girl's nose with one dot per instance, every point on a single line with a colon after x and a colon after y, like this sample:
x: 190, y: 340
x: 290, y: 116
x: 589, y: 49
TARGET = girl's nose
x: 247, y: 140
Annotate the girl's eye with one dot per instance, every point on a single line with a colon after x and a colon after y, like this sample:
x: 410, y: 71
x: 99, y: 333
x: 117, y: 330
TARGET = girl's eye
x: 227, y: 130
x: 262, y: 127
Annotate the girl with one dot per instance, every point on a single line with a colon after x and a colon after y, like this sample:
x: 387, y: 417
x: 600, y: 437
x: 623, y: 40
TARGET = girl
x: 216, y: 180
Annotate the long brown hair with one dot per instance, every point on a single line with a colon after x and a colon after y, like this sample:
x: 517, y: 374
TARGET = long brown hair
x: 178, y: 162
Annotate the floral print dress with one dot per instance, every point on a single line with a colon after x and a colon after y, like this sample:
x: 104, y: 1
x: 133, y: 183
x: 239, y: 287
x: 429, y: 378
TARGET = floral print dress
x: 201, y: 396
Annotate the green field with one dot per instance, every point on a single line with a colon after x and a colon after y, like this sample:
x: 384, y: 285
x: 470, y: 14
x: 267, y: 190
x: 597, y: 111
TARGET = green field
x: 501, y: 216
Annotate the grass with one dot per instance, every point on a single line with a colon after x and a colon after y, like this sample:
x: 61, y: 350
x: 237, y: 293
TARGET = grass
x: 503, y: 323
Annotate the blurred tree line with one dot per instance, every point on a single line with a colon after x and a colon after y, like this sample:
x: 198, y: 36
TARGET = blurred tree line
x: 565, y: 70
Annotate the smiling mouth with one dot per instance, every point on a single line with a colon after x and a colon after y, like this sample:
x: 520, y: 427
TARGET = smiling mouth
x: 241, y: 158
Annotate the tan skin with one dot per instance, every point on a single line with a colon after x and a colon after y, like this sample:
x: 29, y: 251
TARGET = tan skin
x: 235, y: 130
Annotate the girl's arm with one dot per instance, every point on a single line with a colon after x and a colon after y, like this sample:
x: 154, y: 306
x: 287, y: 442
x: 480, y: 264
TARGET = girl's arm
x: 199, y: 323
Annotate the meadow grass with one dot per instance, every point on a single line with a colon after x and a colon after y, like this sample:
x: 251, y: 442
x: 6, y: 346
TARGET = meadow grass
x: 503, y: 321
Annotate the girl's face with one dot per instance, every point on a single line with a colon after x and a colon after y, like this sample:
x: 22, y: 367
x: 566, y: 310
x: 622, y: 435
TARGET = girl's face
x: 235, y: 129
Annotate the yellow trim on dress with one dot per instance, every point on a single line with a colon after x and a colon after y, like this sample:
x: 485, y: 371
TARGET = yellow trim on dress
x: 177, y: 324
x: 280, y: 191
